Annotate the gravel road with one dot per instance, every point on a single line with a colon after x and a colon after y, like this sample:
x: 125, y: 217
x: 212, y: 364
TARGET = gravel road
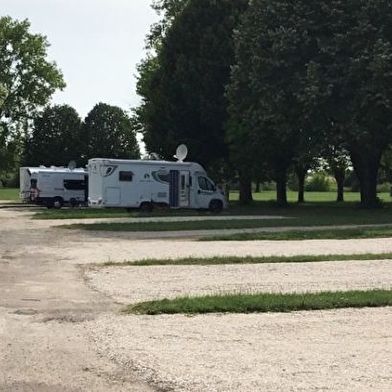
x: 61, y: 329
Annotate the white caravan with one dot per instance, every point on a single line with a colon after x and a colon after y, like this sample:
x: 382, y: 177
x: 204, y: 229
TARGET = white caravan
x: 145, y: 183
x: 53, y: 186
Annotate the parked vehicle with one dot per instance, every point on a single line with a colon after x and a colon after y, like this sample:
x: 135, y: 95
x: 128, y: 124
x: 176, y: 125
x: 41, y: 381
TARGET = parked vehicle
x: 53, y: 186
x: 145, y: 183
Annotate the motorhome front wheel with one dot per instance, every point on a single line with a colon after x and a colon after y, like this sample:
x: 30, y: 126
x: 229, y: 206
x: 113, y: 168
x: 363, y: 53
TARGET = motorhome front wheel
x: 216, y: 206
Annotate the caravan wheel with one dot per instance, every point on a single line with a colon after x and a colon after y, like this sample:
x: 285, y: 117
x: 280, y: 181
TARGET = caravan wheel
x: 57, y: 202
x: 146, y: 206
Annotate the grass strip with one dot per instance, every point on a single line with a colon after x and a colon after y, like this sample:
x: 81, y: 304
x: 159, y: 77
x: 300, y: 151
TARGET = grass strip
x: 250, y: 260
x: 309, y: 234
x: 266, y: 302
x: 171, y: 225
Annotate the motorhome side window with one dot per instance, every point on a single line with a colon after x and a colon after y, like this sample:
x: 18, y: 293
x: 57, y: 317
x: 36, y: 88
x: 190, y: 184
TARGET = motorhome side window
x: 205, y: 184
x: 74, y: 184
x: 125, y: 176
x: 161, y: 176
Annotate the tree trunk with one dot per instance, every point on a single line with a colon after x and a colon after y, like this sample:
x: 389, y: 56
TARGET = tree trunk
x: 366, y: 169
x: 257, y: 187
x: 281, y: 190
x: 301, y: 174
x: 339, y: 175
x: 245, y: 190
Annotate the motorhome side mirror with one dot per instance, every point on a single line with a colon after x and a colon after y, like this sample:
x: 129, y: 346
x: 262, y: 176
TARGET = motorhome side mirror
x: 199, y: 191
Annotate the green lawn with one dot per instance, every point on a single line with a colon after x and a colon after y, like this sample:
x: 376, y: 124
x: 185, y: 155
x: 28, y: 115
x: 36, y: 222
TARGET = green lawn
x: 309, y: 196
x: 9, y: 194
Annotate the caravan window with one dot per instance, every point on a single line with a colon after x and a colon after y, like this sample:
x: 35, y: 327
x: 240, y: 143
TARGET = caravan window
x: 74, y: 184
x: 161, y: 176
x: 126, y: 176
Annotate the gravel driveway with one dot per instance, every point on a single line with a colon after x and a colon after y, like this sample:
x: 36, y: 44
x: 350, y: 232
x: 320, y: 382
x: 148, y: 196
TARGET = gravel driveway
x: 61, y: 330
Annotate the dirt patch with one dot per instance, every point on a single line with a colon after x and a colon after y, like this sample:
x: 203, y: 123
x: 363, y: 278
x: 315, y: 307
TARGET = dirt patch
x: 59, y: 334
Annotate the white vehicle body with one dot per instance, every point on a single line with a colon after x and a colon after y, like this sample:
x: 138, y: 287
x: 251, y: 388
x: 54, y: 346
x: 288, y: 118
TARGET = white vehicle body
x: 144, y: 183
x: 53, y: 186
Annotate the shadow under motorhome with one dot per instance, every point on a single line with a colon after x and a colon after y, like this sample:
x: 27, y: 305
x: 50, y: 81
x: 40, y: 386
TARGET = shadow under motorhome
x: 145, y: 183
x: 53, y: 186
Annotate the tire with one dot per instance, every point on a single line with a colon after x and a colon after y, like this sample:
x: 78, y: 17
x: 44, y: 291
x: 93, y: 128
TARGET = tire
x: 57, y: 202
x: 146, y: 206
x: 216, y: 206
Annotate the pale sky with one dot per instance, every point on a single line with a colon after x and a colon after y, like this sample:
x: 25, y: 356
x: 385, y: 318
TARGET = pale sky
x: 96, y: 44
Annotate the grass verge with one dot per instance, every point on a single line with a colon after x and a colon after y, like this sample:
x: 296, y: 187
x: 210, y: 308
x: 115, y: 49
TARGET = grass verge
x: 170, y: 226
x: 249, y: 260
x: 275, y: 235
x: 335, y: 233
x: 264, y: 303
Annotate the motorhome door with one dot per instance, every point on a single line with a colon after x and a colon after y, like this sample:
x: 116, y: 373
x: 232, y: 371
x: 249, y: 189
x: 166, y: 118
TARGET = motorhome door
x: 179, y: 188
x: 184, y: 189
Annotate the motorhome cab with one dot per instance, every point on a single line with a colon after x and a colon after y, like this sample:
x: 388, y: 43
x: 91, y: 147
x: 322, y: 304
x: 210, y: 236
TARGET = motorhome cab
x: 53, y: 186
x: 144, y: 183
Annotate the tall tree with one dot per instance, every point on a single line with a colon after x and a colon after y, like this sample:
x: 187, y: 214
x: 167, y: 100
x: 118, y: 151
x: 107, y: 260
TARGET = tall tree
x: 182, y: 88
x: 320, y: 67
x: 266, y: 115
x: 108, y: 133
x: 28, y: 80
x: 55, y: 138
x: 28, y: 77
x: 351, y: 81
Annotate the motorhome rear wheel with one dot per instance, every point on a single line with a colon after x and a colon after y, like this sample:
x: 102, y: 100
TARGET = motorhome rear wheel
x: 57, y: 202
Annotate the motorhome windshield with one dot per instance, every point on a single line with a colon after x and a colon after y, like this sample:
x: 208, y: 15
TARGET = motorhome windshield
x: 205, y: 184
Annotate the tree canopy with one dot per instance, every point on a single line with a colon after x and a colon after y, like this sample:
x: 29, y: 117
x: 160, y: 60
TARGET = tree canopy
x: 107, y: 133
x: 27, y: 82
x: 319, y: 71
x: 182, y: 87
x: 55, y: 138
x: 27, y: 76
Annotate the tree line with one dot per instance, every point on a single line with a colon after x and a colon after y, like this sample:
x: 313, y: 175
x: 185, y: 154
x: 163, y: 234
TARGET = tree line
x: 269, y: 87
x: 257, y: 90
x: 34, y: 133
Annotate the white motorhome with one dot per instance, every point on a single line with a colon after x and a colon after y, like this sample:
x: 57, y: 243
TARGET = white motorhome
x: 145, y: 183
x: 53, y: 186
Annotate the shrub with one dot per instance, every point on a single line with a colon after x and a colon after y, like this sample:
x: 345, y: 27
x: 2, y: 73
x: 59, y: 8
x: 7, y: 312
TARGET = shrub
x: 318, y: 182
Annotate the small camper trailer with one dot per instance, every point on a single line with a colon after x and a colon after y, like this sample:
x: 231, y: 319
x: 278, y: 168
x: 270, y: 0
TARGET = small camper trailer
x: 145, y: 183
x: 53, y: 186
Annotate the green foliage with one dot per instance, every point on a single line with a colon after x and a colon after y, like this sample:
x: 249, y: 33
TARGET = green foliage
x: 29, y: 79
x: 27, y: 82
x: 318, y: 182
x: 313, y: 74
x: 267, y: 125
x: 107, y: 132
x: 182, y: 86
x: 55, y: 138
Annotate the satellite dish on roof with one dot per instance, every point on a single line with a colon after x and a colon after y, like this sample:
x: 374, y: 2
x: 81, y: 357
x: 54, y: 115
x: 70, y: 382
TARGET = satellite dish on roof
x: 71, y: 165
x: 181, y: 152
